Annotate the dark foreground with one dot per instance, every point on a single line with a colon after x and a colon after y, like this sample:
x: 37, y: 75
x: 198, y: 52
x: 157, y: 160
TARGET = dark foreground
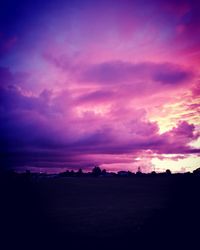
x: 154, y: 212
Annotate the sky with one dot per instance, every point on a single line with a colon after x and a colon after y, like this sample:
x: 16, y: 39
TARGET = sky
x: 108, y: 83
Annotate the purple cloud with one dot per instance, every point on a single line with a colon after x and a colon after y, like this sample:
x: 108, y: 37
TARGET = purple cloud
x: 33, y: 129
x: 123, y: 72
x: 83, y: 81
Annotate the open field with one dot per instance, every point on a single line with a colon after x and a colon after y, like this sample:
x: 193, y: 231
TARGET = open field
x: 128, y: 213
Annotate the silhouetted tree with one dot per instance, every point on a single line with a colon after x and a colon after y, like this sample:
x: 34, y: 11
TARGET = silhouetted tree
x: 71, y: 173
x: 96, y: 171
x: 139, y: 172
x: 104, y: 172
x: 168, y: 171
x: 80, y: 172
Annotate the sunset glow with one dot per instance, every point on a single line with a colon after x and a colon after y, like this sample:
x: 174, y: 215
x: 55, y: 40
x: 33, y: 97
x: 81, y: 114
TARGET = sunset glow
x: 108, y: 83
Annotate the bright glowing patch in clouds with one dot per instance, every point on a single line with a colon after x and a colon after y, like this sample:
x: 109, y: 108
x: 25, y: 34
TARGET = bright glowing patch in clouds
x: 196, y: 143
x: 100, y: 82
x: 189, y: 163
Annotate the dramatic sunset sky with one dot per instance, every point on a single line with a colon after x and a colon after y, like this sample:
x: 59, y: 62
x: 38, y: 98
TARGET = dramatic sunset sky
x: 108, y: 83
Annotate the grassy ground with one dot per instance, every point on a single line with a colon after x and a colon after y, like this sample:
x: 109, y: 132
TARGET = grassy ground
x: 103, y: 206
x: 123, y: 213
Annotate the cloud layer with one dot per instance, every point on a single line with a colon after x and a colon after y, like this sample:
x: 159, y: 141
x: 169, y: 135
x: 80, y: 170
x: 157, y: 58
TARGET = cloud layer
x: 99, y: 83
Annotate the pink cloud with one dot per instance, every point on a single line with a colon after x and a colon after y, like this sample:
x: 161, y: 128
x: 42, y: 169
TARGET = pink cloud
x: 57, y: 129
x: 86, y: 82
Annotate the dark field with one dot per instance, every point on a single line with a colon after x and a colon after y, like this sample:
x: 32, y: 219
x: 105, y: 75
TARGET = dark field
x: 97, y: 213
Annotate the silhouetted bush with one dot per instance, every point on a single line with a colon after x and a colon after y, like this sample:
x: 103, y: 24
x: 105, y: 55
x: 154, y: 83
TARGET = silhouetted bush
x: 153, y: 173
x: 65, y: 174
x: 197, y: 171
